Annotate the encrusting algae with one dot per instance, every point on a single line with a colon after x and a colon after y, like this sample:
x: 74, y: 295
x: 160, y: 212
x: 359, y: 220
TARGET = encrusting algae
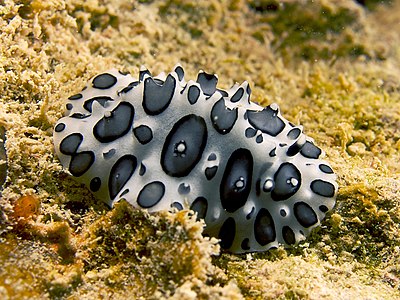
x: 332, y: 66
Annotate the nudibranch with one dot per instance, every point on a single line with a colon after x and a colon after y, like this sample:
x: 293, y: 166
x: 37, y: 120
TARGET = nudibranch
x: 159, y: 142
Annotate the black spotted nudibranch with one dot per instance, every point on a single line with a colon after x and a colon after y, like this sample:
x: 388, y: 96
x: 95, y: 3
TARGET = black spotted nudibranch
x: 161, y: 142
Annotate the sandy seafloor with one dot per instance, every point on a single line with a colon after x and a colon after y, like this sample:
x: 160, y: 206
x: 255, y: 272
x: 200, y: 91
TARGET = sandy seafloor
x: 332, y: 66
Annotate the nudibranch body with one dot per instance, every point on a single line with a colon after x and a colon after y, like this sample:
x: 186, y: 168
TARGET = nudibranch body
x: 160, y: 142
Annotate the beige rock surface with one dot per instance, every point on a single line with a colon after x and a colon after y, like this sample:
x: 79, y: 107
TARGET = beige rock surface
x: 332, y: 66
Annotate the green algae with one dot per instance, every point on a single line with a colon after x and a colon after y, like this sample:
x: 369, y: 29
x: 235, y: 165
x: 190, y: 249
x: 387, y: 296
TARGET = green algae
x: 332, y: 66
x: 317, y: 31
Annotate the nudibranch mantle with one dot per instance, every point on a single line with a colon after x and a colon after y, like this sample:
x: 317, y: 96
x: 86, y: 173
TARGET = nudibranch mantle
x: 159, y: 142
